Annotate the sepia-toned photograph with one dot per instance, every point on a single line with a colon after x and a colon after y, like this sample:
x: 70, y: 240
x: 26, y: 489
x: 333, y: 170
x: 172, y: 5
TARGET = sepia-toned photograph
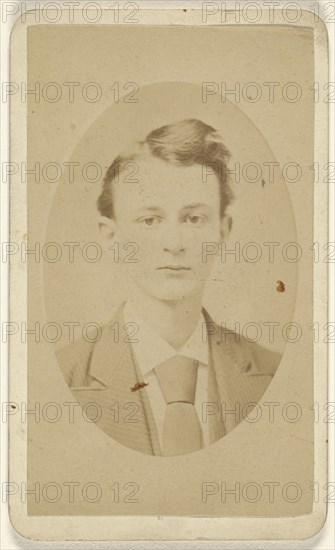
x: 171, y: 213
x: 169, y: 336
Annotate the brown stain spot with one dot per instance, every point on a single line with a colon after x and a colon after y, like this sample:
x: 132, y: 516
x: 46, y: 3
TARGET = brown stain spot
x: 280, y: 286
x: 138, y: 386
x: 13, y: 407
x: 184, y: 10
x: 263, y: 182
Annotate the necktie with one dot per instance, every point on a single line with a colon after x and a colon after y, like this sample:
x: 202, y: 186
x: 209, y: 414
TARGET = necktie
x: 177, y: 378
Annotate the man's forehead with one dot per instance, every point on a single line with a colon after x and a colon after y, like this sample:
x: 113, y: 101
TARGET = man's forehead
x: 155, y: 172
x: 155, y: 183
x: 150, y: 166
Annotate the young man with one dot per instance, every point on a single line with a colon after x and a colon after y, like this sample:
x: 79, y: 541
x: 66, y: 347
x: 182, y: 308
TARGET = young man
x: 166, y: 385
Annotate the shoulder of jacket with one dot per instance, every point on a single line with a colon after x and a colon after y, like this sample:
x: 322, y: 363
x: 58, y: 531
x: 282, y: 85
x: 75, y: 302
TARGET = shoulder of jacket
x: 266, y: 360
x: 74, y: 360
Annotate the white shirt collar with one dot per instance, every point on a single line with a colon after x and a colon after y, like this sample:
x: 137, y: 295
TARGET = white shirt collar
x: 151, y: 349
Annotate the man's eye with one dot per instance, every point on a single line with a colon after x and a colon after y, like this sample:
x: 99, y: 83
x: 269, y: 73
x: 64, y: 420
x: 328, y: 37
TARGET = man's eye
x: 149, y: 221
x: 193, y: 219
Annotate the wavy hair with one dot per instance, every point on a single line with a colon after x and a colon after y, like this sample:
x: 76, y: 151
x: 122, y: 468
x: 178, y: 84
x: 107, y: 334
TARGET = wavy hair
x: 183, y: 143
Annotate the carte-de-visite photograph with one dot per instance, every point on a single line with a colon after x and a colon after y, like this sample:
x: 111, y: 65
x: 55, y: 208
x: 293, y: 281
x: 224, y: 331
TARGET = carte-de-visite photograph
x: 163, y: 213
x: 170, y: 204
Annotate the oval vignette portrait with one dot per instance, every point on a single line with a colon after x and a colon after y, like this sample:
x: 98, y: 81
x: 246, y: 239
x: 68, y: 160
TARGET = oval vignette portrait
x: 178, y: 284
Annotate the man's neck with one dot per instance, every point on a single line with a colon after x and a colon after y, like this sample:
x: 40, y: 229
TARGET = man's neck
x: 174, y: 321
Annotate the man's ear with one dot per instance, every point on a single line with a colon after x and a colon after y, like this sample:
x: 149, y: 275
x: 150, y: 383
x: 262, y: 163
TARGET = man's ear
x: 107, y: 227
x: 226, y: 226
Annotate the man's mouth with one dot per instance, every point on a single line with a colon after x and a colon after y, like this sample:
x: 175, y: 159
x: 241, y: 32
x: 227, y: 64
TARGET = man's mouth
x: 175, y: 268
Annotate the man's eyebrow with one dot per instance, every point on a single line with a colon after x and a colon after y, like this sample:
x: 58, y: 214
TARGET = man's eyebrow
x: 196, y: 205
x: 192, y: 206
x: 150, y: 208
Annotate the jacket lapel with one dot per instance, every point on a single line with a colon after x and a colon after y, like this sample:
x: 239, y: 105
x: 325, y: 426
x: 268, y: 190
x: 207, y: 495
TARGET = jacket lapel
x: 239, y: 382
x: 126, y: 416
x: 108, y: 399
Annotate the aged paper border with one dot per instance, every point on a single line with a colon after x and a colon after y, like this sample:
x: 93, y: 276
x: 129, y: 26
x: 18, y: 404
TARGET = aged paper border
x: 158, y: 528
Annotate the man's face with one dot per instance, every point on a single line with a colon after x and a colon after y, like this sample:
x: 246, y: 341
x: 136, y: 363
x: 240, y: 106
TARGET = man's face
x: 169, y: 213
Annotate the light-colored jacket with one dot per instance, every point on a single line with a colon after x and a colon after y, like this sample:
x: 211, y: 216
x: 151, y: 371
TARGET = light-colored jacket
x: 103, y: 374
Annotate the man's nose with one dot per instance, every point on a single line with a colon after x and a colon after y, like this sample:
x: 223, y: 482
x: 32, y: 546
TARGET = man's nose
x: 173, y: 241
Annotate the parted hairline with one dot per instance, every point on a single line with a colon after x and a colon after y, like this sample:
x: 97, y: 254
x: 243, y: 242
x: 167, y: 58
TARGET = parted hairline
x: 183, y: 143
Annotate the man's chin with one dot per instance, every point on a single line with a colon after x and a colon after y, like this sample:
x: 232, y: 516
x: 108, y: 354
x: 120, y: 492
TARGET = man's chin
x: 173, y: 292
x: 168, y: 289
